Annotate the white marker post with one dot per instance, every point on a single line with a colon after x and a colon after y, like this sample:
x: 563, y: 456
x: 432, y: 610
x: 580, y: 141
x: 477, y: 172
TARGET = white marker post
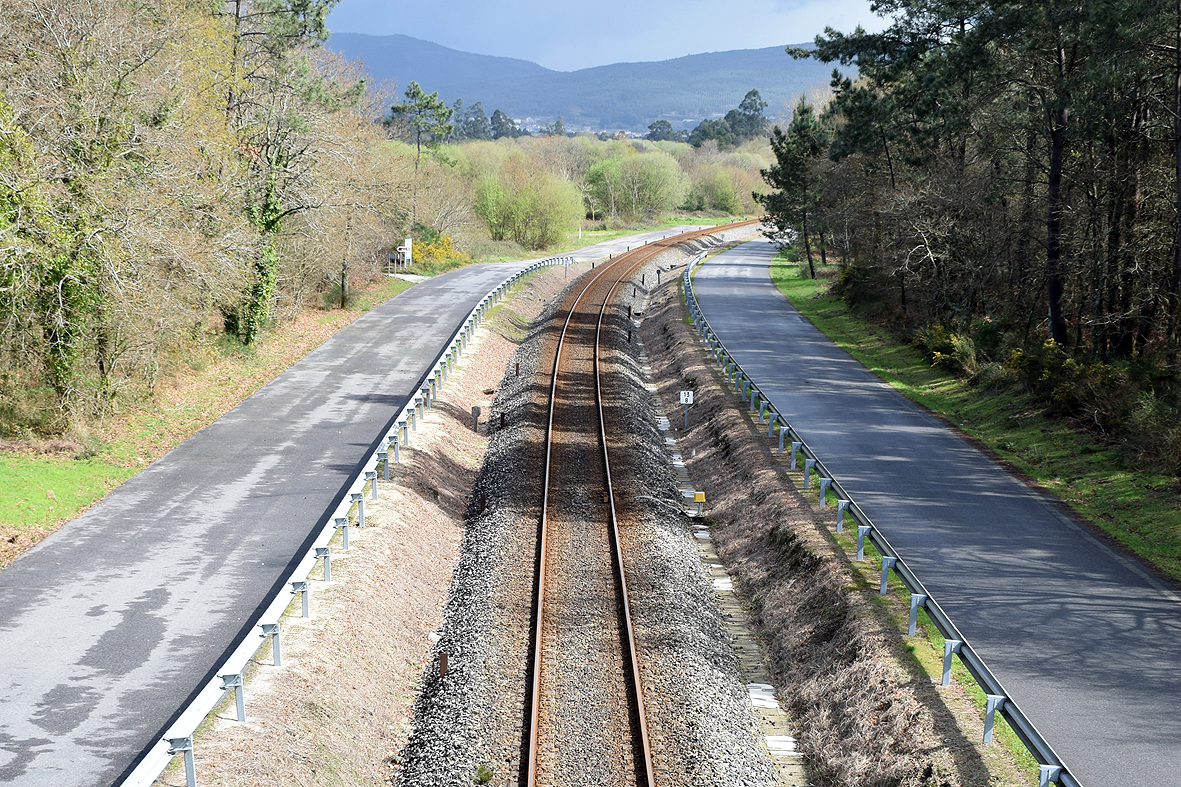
x: 686, y: 399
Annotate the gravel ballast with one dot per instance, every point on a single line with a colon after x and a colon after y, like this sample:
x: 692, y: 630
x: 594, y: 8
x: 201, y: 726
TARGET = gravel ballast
x: 699, y: 715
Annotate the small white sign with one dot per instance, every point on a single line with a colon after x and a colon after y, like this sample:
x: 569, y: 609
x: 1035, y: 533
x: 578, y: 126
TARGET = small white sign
x: 686, y: 397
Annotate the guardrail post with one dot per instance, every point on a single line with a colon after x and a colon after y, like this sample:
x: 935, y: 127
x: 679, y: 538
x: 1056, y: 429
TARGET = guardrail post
x: 862, y: 532
x: 342, y: 524
x: 842, y: 507
x: 371, y: 477
x: 185, y: 746
x: 1047, y: 774
x: 992, y: 703
x: 771, y: 421
x: 233, y: 682
x: 384, y: 458
x: 887, y: 564
x: 916, y: 600
x: 809, y: 464
x: 782, y: 434
x: 426, y: 397
x: 746, y: 385
x: 301, y: 587
x: 418, y: 405
x: 738, y: 383
x: 326, y: 553
x: 762, y: 410
x: 412, y: 416
x: 272, y: 630
x: 950, y: 646
x: 754, y: 400
x: 795, y: 446
x: 359, y: 499
x: 825, y: 483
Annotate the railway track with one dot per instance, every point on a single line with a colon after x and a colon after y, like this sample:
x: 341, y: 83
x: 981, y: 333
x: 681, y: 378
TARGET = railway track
x: 585, y: 709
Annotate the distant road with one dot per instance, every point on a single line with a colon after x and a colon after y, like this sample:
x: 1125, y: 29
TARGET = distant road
x: 1085, y: 639
x: 109, y: 624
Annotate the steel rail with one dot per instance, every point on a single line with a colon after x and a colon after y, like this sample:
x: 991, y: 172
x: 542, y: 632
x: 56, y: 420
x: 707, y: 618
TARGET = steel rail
x: 538, y: 626
x: 630, y: 260
x: 614, y: 534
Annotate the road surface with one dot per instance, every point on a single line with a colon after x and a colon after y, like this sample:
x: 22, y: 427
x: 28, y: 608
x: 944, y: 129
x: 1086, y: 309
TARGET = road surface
x: 1085, y: 639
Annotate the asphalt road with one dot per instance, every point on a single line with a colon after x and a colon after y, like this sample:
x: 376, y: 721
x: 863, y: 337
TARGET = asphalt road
x: 1084, y: 639
x: 109, y: 625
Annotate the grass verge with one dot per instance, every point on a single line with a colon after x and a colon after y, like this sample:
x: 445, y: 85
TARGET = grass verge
x: 1139, y: 510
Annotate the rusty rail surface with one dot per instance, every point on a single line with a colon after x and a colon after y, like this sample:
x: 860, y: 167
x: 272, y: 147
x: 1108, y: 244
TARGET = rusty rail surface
x: 620, y: 269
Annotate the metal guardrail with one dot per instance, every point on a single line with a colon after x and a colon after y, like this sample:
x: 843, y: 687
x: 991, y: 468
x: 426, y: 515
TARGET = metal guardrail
x: 1050, y: 765
x: 178, y: 738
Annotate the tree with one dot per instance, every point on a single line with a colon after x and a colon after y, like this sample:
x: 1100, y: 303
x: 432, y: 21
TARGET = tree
x: 423, y: 118
x: 747, y: 121
x: 715, y: 129
x: 556, y: 129
x: 662, y: 131
x: 503, y: 126
x: 526, y: 204
x: 470, y: 122
x: 794, y: 175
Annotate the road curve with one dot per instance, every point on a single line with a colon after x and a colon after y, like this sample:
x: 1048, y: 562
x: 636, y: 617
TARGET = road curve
x: 110, y: 625
x: 1084, y: 638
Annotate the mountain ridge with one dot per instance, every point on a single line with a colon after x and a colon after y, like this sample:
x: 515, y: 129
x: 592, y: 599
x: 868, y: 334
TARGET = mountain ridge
x: 625, y: 96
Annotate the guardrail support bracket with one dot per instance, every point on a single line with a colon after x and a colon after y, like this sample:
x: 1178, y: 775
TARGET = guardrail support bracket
x: 301, y: 587
x: 950, y: 646
x: 862, y: 532
x: 1047, y: 774
x: 326, y: 554
x: 887, y: 564
x: 233, y: 682
x: 842, y: 507
x: 272, y: 630
x: 359, y: 499
x: 916, y: 600
x: 185, y: 746
x: 993, y: 703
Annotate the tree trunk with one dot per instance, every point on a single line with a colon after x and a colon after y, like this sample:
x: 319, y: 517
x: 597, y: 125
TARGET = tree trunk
x: 808, y: 247
x: 1175, y: 295
x: 1054, y: 286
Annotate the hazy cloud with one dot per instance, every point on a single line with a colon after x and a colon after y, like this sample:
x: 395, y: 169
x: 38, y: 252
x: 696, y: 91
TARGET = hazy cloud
x: 567, y: 36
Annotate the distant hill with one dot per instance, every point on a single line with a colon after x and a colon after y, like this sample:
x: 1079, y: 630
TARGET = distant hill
x: 619, y: 96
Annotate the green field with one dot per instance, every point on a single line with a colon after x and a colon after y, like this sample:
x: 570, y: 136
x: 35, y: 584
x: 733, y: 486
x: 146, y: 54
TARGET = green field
x: 1140, y: 510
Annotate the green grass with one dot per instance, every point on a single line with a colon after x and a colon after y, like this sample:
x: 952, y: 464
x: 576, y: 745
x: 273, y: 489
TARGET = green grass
x: 1139, y: 509
x: 39, y: 490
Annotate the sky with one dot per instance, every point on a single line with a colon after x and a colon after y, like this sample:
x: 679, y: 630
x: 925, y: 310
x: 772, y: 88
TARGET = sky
x: 567, y: 36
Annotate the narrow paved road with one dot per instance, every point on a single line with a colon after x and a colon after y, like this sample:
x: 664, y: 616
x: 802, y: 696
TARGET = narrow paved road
x: 1085, y: 639
x: 112, y: 623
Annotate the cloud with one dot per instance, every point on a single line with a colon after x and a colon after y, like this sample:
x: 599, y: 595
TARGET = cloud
x: 566, y: 37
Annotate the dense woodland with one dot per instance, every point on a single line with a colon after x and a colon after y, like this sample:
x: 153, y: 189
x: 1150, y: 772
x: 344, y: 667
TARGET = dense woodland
x: 177, y: 177
x: 1000, y: 183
